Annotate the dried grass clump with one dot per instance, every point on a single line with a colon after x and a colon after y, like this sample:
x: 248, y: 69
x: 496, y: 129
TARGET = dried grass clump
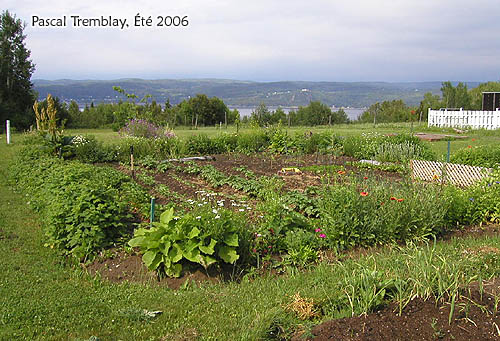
x: 305, y: 308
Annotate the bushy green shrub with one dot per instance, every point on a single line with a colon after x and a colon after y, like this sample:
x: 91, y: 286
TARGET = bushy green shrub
x: 199, y: 144
x: 158, y: 148
x: 84, y: 208
x: 87, y: 149
x: 387, y: 148
x: 225, y: 143
x: 255, y: 141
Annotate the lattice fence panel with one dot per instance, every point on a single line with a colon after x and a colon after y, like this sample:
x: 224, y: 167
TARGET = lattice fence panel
x: 457, y: 174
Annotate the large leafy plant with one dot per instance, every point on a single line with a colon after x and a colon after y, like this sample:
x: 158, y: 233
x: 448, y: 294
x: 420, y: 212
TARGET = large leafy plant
x: 203, y: 239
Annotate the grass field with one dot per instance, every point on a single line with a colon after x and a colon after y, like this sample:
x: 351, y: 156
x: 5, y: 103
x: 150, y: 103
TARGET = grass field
x: 43, y: 297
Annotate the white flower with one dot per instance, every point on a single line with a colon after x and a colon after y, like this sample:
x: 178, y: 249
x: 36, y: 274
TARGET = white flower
x: 217, y: 216
x: 214, y: 211
x: 198, y: 217
x: 241, y: 210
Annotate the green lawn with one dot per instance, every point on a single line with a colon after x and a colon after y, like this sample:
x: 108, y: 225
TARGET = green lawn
x: 43, y: 297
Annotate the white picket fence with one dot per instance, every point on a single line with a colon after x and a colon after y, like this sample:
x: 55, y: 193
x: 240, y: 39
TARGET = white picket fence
x: 474, y: 119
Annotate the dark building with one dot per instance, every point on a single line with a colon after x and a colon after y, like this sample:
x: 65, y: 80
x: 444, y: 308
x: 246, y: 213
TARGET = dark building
x: 491, y: 101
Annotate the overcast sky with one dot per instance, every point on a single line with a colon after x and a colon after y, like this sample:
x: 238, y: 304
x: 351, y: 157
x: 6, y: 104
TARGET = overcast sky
x: 266, y: 40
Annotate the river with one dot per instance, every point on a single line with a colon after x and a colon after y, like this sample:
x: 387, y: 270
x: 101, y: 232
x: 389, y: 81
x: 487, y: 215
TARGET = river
x: 352, y: 113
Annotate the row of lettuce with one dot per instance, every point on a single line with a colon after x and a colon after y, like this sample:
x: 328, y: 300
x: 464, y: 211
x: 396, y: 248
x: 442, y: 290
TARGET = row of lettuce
x: 86, y: 208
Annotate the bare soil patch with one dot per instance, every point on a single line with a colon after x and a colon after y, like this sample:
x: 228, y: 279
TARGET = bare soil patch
x: 474, y: 318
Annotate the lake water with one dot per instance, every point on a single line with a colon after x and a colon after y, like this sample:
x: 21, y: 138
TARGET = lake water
x: 352, y: 113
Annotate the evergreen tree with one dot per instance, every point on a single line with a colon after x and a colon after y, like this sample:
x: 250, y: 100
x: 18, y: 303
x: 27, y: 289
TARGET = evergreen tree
x: 16, y: 94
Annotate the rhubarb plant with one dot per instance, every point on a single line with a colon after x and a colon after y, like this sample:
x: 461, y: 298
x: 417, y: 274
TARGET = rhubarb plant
x: 205, y: 239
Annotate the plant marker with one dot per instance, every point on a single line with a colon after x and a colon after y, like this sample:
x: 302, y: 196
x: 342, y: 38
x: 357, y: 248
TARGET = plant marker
x: 8, y: 131
x: 152, y: 214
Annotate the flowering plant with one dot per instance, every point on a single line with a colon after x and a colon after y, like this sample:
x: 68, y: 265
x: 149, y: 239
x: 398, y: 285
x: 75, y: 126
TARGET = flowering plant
x: 142, y: 128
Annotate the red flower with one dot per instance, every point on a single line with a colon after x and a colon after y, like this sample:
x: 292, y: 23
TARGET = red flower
x: 413, y: 112
x: 363, y: 194
x: 381, y: 204
x: 394, y: 198
x: 473, y: 140
x: 365, y: 177
x: 341, y: 172
x: 399, y: 200
x: 469, y: 146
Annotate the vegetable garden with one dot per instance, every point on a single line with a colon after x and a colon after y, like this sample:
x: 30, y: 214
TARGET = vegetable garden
x: 267, y: 202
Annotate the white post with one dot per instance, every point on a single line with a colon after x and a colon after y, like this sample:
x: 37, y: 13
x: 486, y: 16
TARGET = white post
x: 8, y: 131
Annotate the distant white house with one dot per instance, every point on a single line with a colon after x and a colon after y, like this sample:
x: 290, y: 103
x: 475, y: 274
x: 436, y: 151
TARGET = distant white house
x: 488, y: 118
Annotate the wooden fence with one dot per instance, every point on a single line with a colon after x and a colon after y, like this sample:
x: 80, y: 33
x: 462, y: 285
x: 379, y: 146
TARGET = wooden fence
x: 474, y: 119
x: 450, y: 173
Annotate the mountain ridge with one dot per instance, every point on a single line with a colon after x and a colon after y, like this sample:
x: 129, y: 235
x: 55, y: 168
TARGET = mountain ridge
x: 241, y: 93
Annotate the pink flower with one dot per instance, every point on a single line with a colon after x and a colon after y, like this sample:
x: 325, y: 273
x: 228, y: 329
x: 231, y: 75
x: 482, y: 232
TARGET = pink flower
x: 322, y: 235
x: 317, y: 230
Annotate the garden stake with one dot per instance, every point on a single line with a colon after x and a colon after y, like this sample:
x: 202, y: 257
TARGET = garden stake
x: 152, y: 215
x: 448, y: 154
x: 132, y: 161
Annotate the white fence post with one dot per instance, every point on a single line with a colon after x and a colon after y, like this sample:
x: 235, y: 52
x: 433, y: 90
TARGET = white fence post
x: 8, y: 131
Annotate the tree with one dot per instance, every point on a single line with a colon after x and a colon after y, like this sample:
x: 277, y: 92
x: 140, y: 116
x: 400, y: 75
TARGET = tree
x: 316, y: 113
x: 476, y: 94
x: 455, y: 97
x: 387, y: 111
x: 339, y: 117
x: 261, y: 115
x: 430, y: 101
x: 16, y: 93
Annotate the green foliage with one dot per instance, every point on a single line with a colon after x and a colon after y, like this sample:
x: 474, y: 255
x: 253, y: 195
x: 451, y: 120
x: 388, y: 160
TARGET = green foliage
x: 430, y: 101
x: 476, y: 94
x: 16, y: 68
x: 200, y: 144
x: 484, y: 205
x: 159, y: 149
x: 316, y: 113
x: 386, y: 167
x: 455, y: 97
x: 87, y: 149
x: 203, y: 237
x: 483, y: 156
x: 85, y: 208
x: 369, y: 213
x: 387, y: 111
x: 256, y: 141
x: 396, y: 148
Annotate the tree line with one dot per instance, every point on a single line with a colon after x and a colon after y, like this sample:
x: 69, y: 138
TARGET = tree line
x: 453, y: 97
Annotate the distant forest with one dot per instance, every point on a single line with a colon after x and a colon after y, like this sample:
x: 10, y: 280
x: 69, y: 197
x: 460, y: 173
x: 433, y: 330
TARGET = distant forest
x: 241, y: 93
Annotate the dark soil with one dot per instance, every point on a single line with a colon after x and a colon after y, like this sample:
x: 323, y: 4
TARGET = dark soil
x: 123, y: 267
x: 187, y: 186
x: 475, y: 318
